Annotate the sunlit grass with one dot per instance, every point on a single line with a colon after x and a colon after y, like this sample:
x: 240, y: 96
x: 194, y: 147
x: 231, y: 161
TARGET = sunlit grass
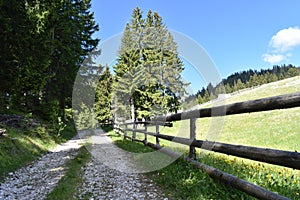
x: 286, y: 86
x: 68, y: 185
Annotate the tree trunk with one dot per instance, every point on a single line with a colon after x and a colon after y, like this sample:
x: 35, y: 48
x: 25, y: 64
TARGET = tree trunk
x: 132, y: 110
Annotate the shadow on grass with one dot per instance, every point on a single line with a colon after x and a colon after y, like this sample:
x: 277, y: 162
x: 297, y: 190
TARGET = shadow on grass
x: 107, y: 128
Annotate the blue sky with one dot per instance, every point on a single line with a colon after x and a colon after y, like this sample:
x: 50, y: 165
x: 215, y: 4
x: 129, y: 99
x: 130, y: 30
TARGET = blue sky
x: 237, y: 34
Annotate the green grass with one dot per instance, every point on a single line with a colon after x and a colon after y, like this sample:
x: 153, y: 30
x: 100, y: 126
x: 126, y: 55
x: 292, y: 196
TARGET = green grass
x: 285, y: 86
x: 128, y: 145
x: 182, y: 181
x: 25, y: 145
x: 67, y: 186
x: 278, y: 129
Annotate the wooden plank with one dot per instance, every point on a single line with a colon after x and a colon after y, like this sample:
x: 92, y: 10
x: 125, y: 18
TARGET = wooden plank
x: 265, y: 104
x: 125, y: 131
x: 134, y: 132
x: 272, y: 156
x: 127, y: 137
x: 240, y: 184
x: 161, y: 123
x: 145, y: 139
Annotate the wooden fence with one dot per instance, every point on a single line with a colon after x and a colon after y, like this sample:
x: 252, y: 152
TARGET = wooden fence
x: 272, y: 156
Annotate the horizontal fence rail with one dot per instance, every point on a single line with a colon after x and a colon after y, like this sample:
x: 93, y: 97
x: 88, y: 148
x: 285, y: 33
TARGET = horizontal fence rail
x: 265, y: 104
x: 149, y: 123
x: 271, y: 156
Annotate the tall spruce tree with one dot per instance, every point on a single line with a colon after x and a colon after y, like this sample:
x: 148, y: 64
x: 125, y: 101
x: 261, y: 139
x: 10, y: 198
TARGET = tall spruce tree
x: 148, y: 71
x: 71, y: 25
x: 104, y: 96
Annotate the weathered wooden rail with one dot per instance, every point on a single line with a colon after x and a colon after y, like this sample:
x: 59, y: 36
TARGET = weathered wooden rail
x: 272, y: 156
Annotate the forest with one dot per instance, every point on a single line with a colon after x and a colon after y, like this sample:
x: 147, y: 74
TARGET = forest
x: 43, y: 44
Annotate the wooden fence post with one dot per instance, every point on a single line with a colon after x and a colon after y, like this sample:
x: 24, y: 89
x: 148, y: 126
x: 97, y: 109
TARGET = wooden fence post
x: 118, y: 129
x: 157, y: 133
x: 192, y: 152
x: 134, y: 131
x: 145, y: 140
x: 125, y: 131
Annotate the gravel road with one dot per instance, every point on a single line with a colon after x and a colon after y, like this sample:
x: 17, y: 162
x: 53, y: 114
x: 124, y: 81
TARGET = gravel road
x: 100, y: 181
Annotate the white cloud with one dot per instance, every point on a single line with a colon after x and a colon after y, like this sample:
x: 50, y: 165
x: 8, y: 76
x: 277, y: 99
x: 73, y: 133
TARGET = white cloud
x: 273, y: 58
x: 285, y: 39
x: 281, y: 44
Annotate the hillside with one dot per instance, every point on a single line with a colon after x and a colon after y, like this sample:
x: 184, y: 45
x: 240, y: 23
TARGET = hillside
x: 245, y: 79
x: 277, y: 129
x: 286, y: 86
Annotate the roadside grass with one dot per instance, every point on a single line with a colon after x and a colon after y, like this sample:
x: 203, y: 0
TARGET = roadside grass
x: 128, y: 145
x: 19, y: 147
x: 67, y: 186
x: 25, y: 145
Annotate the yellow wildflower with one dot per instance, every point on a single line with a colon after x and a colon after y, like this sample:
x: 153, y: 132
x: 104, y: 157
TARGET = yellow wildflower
x: 268, y: 176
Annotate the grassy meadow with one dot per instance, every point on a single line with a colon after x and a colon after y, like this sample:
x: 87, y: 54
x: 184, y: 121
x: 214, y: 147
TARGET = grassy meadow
x: 278, y: 129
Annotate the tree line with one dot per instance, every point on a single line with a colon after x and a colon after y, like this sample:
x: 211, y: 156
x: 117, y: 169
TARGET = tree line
x: 245, y: 79
x: 43, y: 44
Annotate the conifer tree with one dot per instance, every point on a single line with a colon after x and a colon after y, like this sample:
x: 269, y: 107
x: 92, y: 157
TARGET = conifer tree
x: 71, y: 25
x: 148, y: 71
x: 104, y: 96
